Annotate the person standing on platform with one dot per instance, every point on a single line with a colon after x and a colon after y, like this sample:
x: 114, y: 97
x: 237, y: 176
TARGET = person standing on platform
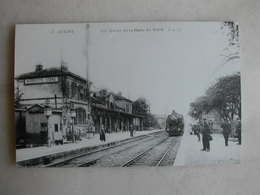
x: 205, y: 136
x: 197, y: 131
x: 226, y: 126
x: 102, y: 134
x: 131, y: 129
x: 211, y: 126
x: 238, y: 129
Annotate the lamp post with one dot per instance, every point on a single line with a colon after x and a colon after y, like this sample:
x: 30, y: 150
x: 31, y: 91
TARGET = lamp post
x: 66, y: 119
x: 48, y: 113
x: 73, y: 115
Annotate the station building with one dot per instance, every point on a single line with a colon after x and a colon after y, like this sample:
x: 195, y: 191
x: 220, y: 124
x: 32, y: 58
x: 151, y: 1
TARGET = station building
x: 54, y: 105
x: 114, y: 113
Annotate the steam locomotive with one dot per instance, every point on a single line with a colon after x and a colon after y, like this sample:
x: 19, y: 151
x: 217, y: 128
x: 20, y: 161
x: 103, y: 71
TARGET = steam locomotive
x: 175, y: 124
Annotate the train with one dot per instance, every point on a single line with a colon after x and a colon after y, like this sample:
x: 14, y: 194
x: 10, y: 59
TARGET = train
x: 175, y: 124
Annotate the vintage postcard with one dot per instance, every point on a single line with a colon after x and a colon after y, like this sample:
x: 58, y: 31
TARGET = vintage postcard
x: 127, y: 94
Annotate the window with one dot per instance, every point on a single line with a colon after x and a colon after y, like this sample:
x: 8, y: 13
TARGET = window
x: 67, y: 89
x: 80, y: 93
x: 80, y: 116
x: 73, y: 89
x: 85, y: 95
x: 112, y: 106
x: 56, y: 127
x: 44, y: 127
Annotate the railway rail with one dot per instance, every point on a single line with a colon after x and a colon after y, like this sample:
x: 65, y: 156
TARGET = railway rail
x: 164, y: 155
x: 76, y: 162
x: 94, y: 161
x: 137, y: 160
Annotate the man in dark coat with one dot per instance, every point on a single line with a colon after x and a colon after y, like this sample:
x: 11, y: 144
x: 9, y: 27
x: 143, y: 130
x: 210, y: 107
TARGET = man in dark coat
x: 131, y: 129
x: 226, y: 126
x: 205, y: 136
x: 102, y: 134
x: 196, y: 130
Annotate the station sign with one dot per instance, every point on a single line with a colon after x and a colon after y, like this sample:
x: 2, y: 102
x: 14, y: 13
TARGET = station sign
x: 41, y: 80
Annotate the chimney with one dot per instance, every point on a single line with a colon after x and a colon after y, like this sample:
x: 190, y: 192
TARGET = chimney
x: 119, y: 94
x: 64, y: 66
x: 38, y: 68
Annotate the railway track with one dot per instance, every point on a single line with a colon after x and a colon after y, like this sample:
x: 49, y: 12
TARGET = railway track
x: 165, y: 154
x: 94, y: 161
x: 144, y: 159
x: 76, y: 161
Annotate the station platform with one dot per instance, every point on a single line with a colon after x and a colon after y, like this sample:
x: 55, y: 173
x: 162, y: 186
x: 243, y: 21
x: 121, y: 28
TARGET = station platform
x: 30, y: 156
x: 190, y: 151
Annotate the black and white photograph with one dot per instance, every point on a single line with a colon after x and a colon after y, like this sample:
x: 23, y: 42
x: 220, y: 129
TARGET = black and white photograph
x: 127, y: 94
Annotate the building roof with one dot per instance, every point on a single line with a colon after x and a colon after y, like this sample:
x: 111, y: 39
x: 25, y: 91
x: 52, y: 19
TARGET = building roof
x: 116, y: 111
x: 49, y: 72
x: 115, y: 96
x: 119, y: 97
x: 37, y: 108
x: 96, y: 100
x: 103, y: 103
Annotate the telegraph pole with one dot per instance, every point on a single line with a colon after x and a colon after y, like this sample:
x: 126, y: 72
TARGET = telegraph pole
x: 87, y: 67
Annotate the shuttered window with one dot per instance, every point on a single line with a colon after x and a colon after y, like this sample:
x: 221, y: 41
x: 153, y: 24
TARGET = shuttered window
x: 80, y: 116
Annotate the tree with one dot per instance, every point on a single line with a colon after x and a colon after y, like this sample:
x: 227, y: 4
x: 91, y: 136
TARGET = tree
x: 199, y: 106
x: 17, y: 98
x: 231, y: 51
x: 141, y: 107
x: 103, y: 93
x: 223, y: 97
x: 150, y: 121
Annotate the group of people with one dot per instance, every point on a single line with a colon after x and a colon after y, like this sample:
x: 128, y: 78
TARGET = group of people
x: 205, y: 128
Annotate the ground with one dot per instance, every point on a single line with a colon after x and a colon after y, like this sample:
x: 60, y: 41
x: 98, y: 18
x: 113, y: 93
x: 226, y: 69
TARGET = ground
x: 29, y: 153
x: 190, y: 151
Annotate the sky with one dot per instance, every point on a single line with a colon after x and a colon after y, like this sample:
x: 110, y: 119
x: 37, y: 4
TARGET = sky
x: 169, y: 64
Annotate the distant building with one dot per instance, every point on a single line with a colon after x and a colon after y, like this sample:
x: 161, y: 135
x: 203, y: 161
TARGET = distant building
x: 114, y: 112
x: 161, y: 120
